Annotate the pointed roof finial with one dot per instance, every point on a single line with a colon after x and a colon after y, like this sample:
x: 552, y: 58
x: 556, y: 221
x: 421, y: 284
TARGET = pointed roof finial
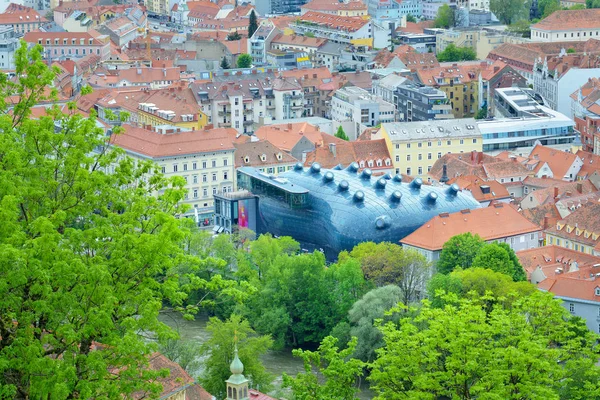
x: 236, y: 367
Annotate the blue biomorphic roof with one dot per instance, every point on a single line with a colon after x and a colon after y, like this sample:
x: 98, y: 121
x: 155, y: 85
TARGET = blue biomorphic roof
x: 345, y: 207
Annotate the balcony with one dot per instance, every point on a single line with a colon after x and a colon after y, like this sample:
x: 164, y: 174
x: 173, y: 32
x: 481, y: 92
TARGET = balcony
x: 295, y: 96
x: 248, y: 122
x: 440, y: 107
x: 224, y: 124
x: 296, y: 106
x: 222, y: 113
x: 270, y: 106
x: 248, y: 111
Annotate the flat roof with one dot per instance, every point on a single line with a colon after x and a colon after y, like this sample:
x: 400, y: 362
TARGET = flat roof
x: 280, y: 183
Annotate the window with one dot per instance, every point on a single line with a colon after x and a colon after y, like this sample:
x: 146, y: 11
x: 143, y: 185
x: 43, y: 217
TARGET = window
x: 408, y: 157
x: 194, y: 178
x: 512, y: 240
x: 225, y: 175
x: 449, y: 142
x: 474, y: 141
x: 439, y: 142
x: 408, y: 145
x: 195, y: 193
x: 194, y: 165
x: 408, y: 171
x: 174, y: 167
x: 420, y: 170
x: 397, y: 158
x: 429, y: 156
x: 205, y: 192
x: 204, y: 178
x: 214, y: 177
x: 462, y: 141
x: 439, y: 155
x: 224, y: 162
x: 420, y: 144
x: 572, y: 308
x: 214, y: 190
x: 163, y: 169
x: 532, y: 236
x: 204, y: 164
x: 214, y: 163
x: 522, y: 239
x: 420, y: 157
x: 428, y: 144
x: 185, y: 167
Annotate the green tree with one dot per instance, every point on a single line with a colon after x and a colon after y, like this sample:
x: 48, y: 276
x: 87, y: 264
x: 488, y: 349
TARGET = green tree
x: 411, y: 18
x: 234, y: 36
x: 364, y: 313
x: 244, y: 61
x: 253, y: 24
x: 183, y: 352
x: 570, y: 50
x: 341, y: 134
x: 549, y: 6
x: 219, y: 352
x: 521, y: 27
x: 387, y: 263
x: 497, y: 258
x: 225, y: 63
x: 459, y: 251
x: 482, y: 113
x: 338, y: 371
x: 510, y: 11
x: 87, y: 257
x: 453, y: 53
x: 464, y: 351
x: 445, y: 17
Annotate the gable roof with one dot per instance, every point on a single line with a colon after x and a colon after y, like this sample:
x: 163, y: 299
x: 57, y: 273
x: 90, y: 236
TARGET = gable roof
x: 345, y: 24
x: 558, y: 161
x: 591, y: 163
x: 562, y: 20
x: 250, y: 154
x: 585, y: 218
x: 286, y: 136
x: 346, y: 153
x: 555, y: 261
x: 490, y: 223
x: 480, y: 189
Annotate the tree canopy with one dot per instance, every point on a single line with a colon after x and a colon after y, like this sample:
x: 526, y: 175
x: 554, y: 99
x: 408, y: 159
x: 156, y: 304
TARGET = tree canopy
x: 445, y: 17
x: 465, y: 350
x: 453, y: 53
x: 459, y: 251
x: 252, y: 24
x: 510, y: 11
x: 341, y: 134
x: 224, y: 63
x: 88, y: 253
x: 244, y: 61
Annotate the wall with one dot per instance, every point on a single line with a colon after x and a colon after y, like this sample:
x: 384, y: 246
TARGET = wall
x: 588, y: 310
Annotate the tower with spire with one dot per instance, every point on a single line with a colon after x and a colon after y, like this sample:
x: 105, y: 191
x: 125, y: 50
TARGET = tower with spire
x: 237, y: 384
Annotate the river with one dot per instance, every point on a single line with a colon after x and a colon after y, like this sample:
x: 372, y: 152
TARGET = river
x: 276, y: 362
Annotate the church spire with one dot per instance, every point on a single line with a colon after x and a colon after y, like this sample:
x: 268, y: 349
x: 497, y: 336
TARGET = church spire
x: 237, y: 384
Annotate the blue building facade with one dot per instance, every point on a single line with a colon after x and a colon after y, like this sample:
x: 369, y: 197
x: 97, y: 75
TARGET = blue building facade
x: 334, y: 210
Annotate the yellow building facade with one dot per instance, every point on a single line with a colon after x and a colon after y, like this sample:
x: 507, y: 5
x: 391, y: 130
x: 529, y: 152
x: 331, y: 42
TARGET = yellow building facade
x: 416, y: 146
x: 188, y: 121
x: 461, y: 83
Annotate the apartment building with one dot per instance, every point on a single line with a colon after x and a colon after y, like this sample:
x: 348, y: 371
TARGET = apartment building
x: 415, y: 146
x: 585, y: 108
x: 422, y: 103
x: 309, y: 45
x: 205, y: 159
x: 355, y: 109
x: 266, y: 7
x: 579, y: 231
x: 260, y: 42
x: 384, y: 9
x: 347, y: 30
x: 21, y: 19
x: 481, y: 40
x: 73, y: 45
x: 318, y: 86
x: 264, y: 156
x: 496, y: 223
x: 568, y: 26
x: 460, y: 82
x: 8, y: 45
x: 289, y: 98
x: 152, y: 77
x: 237, y: 101
x: 348, y: 8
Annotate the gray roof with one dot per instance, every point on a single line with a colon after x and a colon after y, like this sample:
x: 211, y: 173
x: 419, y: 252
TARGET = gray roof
x: 246, y: 85
x: 331, y: 48
x: 432, y: 130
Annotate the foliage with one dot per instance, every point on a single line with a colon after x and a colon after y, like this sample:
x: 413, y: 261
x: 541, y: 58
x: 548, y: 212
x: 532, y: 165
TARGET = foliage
x: 510, y: 11
x: 497, y: 258
x: 87, y: 257
x: 592, y: 3
x: 225, y: 63
x: 300, y: 299
x: 309, y: 34
x: 464, y: 351
x: 234, y: 36
x: 547, y: 7
x: 476, y: 282
x: 219, y: 352
x: 453, y: 53
x: 244, y: 61
x: 183, y: 352
x: 387, y: 263
x: 445, y: 17
x: 338, y: 371
x: 341, y: 134
x: 459, y: 251
x: 411, y: 18
x: 570, y: 50
x: 371, y: 307
x: 252, y: 24
x: 521, y: 27
x: 575, y: 7
x: 482, y: 113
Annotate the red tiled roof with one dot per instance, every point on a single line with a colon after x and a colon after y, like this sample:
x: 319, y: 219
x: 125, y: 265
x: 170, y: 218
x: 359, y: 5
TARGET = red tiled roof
x: 334, y: 5
x: 591, y: 163
x: 346, y: 24
x: 153, y: 144
x: 298, y: 40
x: 286, y: 136
x: 563, y: 20
x: 494, y: 222
x: 477, y: 186
x: 549, y: 259
x: 570, y: 286
x: 250, y: 154
x: 558, y: 161
x: 585, y: 218
x: 349, y: 152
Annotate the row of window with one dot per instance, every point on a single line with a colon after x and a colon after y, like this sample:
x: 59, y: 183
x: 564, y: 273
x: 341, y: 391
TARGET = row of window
x: 420, y: 157
x: 76, y: 52
x: 64, y: 42
x: 569, y: 245
x: 430, y: 143
x: 194, y: 165
x: 196, y: 192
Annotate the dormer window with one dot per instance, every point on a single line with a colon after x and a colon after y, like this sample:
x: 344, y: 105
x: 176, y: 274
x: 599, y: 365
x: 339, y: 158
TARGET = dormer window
x: 279, y: 156
x: 379, y: 163
x: 263, y: 157
x: 370, y: 163
x: 597, y: 291
x: 362, y: 164
x: 246, y: 159
x: 388, y: 162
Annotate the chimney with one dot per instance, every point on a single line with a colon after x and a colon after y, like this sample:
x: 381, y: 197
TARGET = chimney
x: 545, y: 225
x: 332, y: 149
x: 290, y: 125
x: 444, y: 177
x: 580, y: 187
x: 555, y: 192
x: 496, y: 69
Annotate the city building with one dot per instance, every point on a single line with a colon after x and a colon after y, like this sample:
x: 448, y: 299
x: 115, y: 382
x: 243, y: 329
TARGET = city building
x: 21, y: 19
x: 481, y: 40
x: 386, y: 87
x: 461, y: 83
x: 309, y: 45
x: 524, y: 123
x: 421, y: 103
x: 567, y: 26
x: 565, y: 193
x: 152, y: 77
x: 268, y: 7
x: 288, y: 59
x: 372, y: 154
x: 497, y: 223
x: 405, y: 57
x: 555, y: 77
x: 237, y: 101
x: 347, y: 30
x: 260, y: 42
x: 554, y: 163
x: 355, y: 109
x: 335, y: 209
x: 318, y: 85
x: 329, y: 55
x: 9, y: 42
x: 204, y: 158
x: 263, y: 156
x: 499, y: 75
x: 579, y: 231
x: 344, y: 8
x: 431, y: 7
x: 585, y: 108
x: 289, y: 98
x: 415, y: 146
x: 421, y: 42
x: 484, y: 191
x: 78, y: 21
x: 384, y: 9
x: 570, y: 275
x: 72, y: 45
